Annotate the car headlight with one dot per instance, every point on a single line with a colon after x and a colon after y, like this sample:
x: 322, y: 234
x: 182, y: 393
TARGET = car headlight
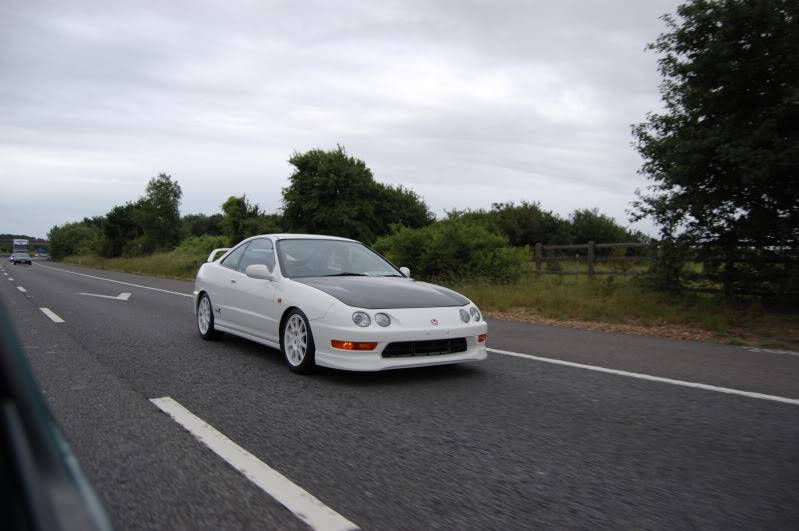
x: 464, y: 315
x: 361, y: 319
x: 475, y: 313
x: 382, y: 319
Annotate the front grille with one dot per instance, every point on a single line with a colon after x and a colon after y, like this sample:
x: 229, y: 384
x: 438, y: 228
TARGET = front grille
x: 435, y: 347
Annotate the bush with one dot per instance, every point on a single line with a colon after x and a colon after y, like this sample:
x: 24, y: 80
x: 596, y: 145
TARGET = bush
x: 73, y: 238
x: 454, y: 249
x: 201, y: 245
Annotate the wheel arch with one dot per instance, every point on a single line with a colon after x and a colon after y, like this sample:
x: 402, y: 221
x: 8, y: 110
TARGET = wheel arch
x: 283, y: 318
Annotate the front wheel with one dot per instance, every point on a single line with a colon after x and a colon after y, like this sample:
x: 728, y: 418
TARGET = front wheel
x: 297, y: 344
x: 205, y: 318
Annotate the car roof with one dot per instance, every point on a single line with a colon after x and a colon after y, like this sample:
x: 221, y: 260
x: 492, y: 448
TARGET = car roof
x: 287, y: 236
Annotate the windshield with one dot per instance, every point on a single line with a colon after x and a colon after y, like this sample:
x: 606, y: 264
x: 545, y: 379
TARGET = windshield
x: 325, y: 258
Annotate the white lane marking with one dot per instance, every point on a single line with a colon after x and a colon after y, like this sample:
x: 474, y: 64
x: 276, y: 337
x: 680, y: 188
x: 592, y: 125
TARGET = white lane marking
x: 120, y: 297
x: 116, y: 281
x: 51, y: 314
x: 23, y: 290
x: 10, y: 279
x: 299, y: 501
x: 651, y: 378
x: 772, y: 351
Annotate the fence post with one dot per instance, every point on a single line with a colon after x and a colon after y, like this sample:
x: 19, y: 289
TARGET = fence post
x: 539, y: 251
x: 590, y: 259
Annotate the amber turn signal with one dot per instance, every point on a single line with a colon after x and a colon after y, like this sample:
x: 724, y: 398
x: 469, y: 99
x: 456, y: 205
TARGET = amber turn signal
x: 481, y: 338
x: 352, y: 345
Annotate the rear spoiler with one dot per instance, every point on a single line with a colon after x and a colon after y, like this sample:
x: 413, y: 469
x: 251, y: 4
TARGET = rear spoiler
x: 215, y: 251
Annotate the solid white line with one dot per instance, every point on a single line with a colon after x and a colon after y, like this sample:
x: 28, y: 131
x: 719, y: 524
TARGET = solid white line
x: 53, y: 317
x: 304, y: 505
x: 772, y: 351
x: 116, y: 281
x: 651, y: 378
x: 23, y: 290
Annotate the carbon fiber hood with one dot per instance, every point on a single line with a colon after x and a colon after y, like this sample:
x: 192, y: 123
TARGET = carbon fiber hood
x: 385, y: 292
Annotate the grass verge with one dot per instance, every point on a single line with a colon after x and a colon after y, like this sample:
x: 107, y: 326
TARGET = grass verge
x: 628, y: 306
x: 173, y: 264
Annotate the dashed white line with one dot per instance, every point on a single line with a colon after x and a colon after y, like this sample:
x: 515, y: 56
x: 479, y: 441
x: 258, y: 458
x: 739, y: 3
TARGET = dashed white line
x: 23, y: 290
x: 51, y: 314
x: 10, y: 279
x: 299, y: 501
x: 116, y: 281
x: 651, y: 378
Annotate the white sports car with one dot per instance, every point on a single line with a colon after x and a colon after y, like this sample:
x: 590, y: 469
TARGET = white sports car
x: 333, y: 302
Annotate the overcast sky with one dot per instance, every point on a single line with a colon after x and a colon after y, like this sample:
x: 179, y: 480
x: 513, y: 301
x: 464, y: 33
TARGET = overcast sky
x: 467, y: 103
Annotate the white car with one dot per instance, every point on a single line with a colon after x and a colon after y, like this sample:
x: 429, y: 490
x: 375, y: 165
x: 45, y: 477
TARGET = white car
x: 333, y: 302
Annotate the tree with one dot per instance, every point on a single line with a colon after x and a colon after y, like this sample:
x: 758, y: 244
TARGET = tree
x: 724, y: 154
x: 159, y: 213
x: 120, y: 228
x: 332, y: 193
x: 523, y: 224
x: 238, y: 214
x: 74, y: 239
x: 589, y: 225
x: 200, y: 224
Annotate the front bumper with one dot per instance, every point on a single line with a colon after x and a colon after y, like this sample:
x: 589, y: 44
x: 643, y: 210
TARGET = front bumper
x: 407, y: 325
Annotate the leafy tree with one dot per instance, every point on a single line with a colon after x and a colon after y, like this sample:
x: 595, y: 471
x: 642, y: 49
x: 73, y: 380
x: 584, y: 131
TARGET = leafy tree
x: 73, y: 239
x: 239, y: 217
x: 159, y: 213
x: 120, y: 227
x: 523, y: 224
x: 724, y: 154
x: 200, y: 224
x: 332, y: 193
x: 589, y: 225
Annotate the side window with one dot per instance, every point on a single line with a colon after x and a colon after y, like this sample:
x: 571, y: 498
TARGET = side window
x: 232, y: 260
x: 260, y: 251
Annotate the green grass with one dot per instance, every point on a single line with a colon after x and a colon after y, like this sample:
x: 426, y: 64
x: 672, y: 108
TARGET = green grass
x: 629, y: 302
x: 173, y: 264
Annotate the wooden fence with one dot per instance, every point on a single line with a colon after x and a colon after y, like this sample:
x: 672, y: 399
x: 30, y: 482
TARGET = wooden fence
x: 592, y: 254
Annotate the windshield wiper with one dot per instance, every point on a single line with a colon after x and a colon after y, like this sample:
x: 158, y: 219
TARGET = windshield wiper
x: 393, y: 275
x: 346, y: 274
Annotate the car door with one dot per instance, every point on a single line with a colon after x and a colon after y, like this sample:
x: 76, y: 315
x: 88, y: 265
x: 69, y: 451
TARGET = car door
x: 225, y: 278
x: 255, y: 298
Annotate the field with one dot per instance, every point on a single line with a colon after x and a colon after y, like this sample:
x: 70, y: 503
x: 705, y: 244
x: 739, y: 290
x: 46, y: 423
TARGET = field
x: 612, y: 303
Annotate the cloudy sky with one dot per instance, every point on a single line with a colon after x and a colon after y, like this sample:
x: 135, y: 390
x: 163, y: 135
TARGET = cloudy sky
x: 466, y: 102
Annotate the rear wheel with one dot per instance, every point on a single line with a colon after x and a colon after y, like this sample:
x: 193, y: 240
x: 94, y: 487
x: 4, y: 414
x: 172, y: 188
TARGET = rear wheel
x: 297, y: 344
x: 205, y: 318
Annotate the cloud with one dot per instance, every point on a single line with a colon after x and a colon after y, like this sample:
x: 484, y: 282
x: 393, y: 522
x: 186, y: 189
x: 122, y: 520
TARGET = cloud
x: 468, y: 103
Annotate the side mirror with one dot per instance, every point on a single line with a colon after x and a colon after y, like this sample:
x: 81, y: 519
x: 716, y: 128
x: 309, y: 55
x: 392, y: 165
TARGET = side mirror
x: 259, y: 271
x: 405, y: 271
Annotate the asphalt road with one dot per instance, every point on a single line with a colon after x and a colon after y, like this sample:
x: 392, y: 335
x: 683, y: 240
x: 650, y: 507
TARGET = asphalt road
x: 508, y: 443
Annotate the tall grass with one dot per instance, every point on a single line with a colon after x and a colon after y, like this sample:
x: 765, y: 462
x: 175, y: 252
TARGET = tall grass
x: 628, y: 301
x: 173, y: 264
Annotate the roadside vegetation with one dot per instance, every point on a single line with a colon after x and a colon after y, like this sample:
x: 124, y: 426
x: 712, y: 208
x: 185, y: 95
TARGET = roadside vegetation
x: 722, y: 159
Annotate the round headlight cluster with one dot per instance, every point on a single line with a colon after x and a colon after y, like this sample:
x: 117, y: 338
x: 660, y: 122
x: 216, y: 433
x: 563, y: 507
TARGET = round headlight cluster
x: 382, y: 319
x: 464, y: 315
x: 475, y: 313
x: 361, y: 319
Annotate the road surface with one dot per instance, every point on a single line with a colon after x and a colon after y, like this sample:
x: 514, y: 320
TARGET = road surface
x: 595, y: 430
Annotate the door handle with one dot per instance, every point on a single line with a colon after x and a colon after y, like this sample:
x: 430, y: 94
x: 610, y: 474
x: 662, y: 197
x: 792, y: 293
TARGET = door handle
x: 232, y: 281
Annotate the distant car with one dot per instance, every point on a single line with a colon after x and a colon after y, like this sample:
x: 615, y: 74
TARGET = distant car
x: 21, y: 258
x: 334, y: 302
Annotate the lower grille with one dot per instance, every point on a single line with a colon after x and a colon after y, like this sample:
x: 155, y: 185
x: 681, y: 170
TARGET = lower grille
x: 435, y: 347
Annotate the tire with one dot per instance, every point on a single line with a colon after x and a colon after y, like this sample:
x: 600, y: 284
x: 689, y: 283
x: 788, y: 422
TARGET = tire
x: 297, y: 344
x: 204, y: 319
